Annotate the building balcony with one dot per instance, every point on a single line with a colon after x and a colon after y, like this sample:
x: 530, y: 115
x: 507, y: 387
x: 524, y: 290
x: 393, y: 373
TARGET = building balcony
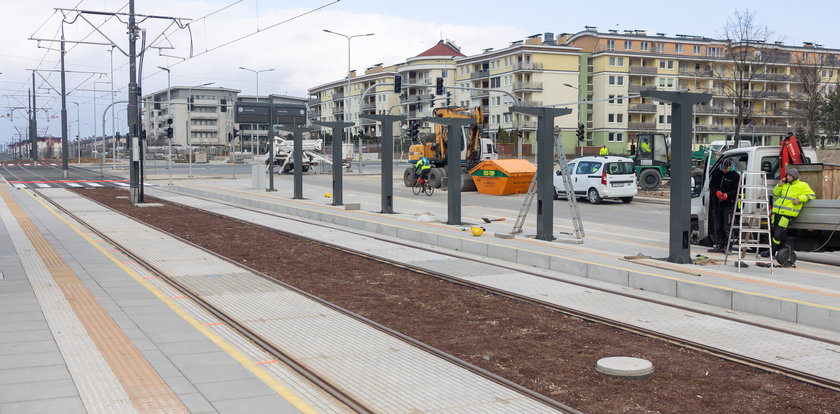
x: 639, y: 88
x: 532, y: 103
x: 480, y: 74
x: 529, y: 67
x: 338, y: 110
x: 368, y: 106
x: 773, y: 94
x: 647, y: 108
x: 696, y: 73
x: 767, y: 129
x: 337, y: 95
x: 204, y: 115
x: 529, y: 124
x: 773, y: 77
x: 641, y: 126
x: 313, y: 101
x: 479, y: 94
x: 642, y: 70
x: 714, y: 128
x: 712, y: 110
x: 529, y: 86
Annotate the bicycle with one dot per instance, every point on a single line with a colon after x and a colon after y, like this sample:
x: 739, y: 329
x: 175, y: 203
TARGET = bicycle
x: 422, y: 186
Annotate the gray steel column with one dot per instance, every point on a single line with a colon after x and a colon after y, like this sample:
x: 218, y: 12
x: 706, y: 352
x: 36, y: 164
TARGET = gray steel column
x: 387, y: 157
x: 133, y: 111
x: 454, y: 139
x: 33, y: 124
x: 297, y: 158
x: 682, y: 119
x: 545, y: 165
x: 337, y: 158
x: 65, y: 151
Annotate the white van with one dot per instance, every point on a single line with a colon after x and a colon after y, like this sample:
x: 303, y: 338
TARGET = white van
x: 598, y: 178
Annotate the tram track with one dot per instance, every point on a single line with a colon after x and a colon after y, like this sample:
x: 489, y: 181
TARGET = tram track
x: 763, y: 365
x: 333, y: 390
x: 756, y: 363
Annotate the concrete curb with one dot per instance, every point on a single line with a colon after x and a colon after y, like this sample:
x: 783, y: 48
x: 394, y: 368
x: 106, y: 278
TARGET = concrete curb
x: 641, y: 277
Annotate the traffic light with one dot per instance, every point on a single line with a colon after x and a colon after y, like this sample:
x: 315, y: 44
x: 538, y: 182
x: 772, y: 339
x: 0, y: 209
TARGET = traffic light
x: 581, y: 134
x: 448, y: 97
x: 439, y: 87
x: 397, y: 83
x: 413, y: 131
x: 169, y: 132
x: 169, y: 121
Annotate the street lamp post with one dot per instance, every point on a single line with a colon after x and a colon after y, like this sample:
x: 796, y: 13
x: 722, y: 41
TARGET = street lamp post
x: 257, y: 73
x: 189, y: 119
x: 169, y: 116
x: 347, y: 89
x: 78, y: 132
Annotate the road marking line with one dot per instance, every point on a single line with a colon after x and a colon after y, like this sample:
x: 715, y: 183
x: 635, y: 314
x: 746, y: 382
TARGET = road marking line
x: 42, y: 185
x: 94, y: 184
x: 75, y: 185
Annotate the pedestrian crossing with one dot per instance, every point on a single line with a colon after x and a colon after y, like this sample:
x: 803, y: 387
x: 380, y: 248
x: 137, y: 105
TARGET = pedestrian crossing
x: 72, y: 184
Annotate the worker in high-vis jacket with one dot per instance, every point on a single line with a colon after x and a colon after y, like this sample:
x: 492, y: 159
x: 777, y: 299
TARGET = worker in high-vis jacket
x: 788, y: 198
x: 422, y: 168
x: 604, y: 151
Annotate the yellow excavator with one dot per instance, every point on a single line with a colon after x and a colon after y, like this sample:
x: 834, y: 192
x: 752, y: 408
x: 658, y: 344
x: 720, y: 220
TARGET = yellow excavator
x: 475, y: 149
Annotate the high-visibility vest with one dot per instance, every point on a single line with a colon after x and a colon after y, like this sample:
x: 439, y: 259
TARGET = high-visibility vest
x: 604, y: 151
x: 422, y: 164
x: 785, y: 194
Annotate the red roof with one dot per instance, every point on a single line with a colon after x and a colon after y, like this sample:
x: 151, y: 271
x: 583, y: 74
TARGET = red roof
x: 442, y: 48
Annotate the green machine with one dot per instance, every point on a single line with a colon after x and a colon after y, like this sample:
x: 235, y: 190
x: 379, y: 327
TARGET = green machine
x: 651, y: 153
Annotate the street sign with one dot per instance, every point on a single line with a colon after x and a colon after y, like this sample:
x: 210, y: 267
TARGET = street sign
x: 252, y: 113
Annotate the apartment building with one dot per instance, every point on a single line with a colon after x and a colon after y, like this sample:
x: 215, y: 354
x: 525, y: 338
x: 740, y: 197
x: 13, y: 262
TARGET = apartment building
x: 599, y: 76
x: 201, y: 116
x: 620, y: 65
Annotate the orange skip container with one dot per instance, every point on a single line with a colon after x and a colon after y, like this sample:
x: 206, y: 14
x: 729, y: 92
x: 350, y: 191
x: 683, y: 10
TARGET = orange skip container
x: 503, y: 177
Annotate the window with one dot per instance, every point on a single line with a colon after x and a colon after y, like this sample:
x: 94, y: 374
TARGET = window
x: 611, y: 137
x: 610, y: 44
x: 696, y: 49
x: 612, y: 60
x: 612, y: 101
x: 713, y: 51
x: 645, y: 46
x: 588, y: 167
x: 678, y: 48
x: 620, y: 80
x: 612, y: 80
x: 661, y: 119
x: 668, y: 119
x: 662, y: 64
x: 661, y: 82
x: 660, y: 47
x: 619, y: 118
x: 620, y: 167
x: 621, y: 61
x: 670, y: 64
x: 805, y: 56
x: 620, y: 100
x: 619, y: 136
x: 670, y: 82
x: 628, y: 45
x: 571, y: 166
x: 610, y: 117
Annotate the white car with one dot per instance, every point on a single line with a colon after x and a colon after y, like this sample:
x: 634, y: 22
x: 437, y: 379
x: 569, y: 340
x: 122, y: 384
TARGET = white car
x: 599, y: 178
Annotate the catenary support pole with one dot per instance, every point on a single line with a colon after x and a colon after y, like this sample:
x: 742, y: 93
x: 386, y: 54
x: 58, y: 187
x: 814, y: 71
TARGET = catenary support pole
x: 679, y: 247
x: 387, y: 157
x: 454, y: 146
x: 545, y: 165
x: 337, y: 159
x: 297, y: 153
x: 133, y: 134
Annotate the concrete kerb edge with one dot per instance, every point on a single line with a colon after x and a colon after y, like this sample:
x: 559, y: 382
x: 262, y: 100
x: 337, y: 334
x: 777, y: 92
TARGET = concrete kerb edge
x: 802, y: 313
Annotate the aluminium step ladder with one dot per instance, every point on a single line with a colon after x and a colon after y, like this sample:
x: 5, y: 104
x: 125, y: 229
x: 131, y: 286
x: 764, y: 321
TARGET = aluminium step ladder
x: 751, y: 220
x: 570, y: 195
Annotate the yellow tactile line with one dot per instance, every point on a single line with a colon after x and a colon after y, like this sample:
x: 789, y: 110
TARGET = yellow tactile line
x: 240, y: 357
x: 148, y: 392
x: 746, y: 292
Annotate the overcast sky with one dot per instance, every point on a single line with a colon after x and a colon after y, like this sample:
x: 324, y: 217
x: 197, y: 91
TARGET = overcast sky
x: 303, y: 56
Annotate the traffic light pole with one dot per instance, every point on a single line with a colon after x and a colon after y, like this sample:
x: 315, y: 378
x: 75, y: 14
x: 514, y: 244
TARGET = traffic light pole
x: 337, y: 158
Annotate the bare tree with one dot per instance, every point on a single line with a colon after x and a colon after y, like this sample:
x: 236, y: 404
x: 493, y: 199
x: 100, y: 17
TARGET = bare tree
x: 814, y: 70
x: 747, y: 51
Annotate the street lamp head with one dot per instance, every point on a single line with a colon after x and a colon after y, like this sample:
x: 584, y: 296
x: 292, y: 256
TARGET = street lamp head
x: 570, y: 85
x: 163, y: 68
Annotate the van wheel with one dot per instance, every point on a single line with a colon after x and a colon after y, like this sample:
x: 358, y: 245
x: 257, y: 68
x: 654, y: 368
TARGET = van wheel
x: 649, y: 179
x: 593, y: 196
x: 626, y: 200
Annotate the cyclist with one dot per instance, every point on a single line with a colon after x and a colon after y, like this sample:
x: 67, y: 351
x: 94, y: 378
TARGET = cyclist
x: 422, y: 168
